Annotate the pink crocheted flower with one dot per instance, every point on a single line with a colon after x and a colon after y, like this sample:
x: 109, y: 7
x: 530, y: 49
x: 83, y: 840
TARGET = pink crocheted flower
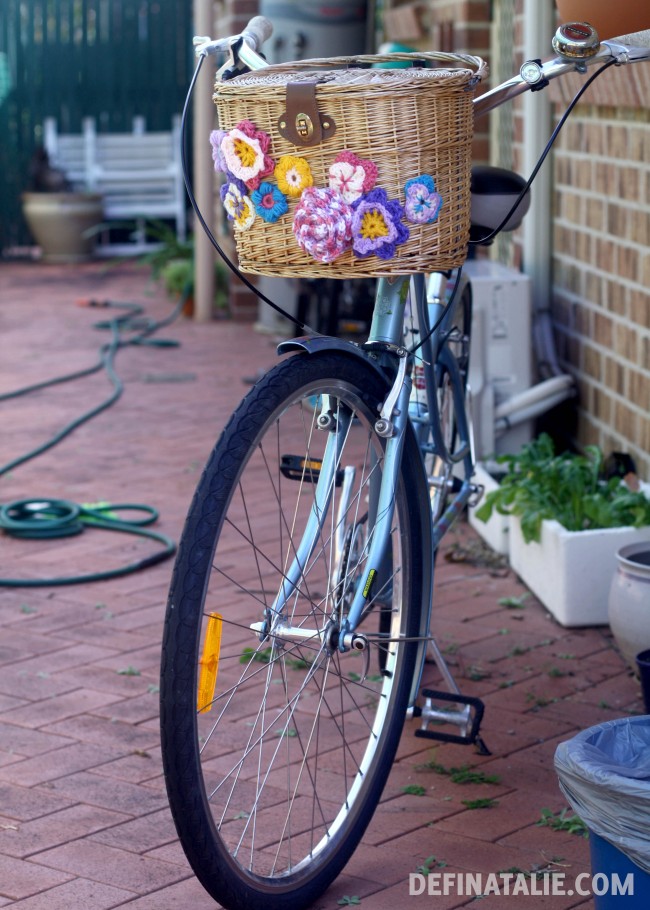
x: 377, y: 226
x: 352, y: 176
x: 245, y: 149
x: 322, y: 224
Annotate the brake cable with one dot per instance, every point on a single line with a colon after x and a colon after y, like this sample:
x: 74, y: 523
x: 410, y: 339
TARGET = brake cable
x: 213, y: 240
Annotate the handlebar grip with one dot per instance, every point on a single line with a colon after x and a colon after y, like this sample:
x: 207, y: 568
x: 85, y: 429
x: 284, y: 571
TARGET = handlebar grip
x: 258, y: 30
x: 637, y: 39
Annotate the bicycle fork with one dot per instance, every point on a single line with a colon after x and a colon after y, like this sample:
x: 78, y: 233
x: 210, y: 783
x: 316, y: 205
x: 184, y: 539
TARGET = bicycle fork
x: 391, y: 423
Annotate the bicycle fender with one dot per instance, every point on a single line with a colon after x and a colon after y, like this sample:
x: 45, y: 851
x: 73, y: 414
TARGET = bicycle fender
x: 314, y: 344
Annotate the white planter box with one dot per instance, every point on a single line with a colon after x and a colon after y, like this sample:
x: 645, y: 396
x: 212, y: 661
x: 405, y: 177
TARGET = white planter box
x: 496, y: 531
x: 571, y: 571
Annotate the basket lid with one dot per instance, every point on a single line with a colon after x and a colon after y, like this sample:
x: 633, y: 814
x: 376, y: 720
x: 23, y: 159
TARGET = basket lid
x: 365, y: 71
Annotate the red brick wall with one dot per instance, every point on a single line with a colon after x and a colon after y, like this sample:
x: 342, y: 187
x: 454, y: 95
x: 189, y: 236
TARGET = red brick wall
x: 601, y: 242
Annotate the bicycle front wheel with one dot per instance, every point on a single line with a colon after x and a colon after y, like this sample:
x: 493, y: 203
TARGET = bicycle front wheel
x: 277, y: 744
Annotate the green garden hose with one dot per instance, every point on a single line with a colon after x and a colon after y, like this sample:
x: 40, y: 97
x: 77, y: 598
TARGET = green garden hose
x: 43, y: 519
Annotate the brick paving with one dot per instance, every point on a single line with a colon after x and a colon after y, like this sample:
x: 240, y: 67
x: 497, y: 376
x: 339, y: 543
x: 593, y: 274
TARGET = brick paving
x: 83, y: 814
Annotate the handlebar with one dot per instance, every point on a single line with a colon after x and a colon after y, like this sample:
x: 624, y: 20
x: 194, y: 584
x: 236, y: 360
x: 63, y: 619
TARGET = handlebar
x: 535, y: 75
x: 577, y: 46
x: 242, y: 48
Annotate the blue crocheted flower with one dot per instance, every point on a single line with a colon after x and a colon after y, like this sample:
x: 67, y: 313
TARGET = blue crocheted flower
x: 377, y: 227
x: 422, y: 201
x: 269, y: 201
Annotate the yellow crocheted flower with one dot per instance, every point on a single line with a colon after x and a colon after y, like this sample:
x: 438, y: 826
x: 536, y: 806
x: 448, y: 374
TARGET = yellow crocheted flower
x: 245, y: 152
x: 373, y: 225
x: 293, y: 175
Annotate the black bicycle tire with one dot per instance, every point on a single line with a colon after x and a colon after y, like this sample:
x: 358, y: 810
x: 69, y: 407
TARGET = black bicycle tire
x: 218, y: 874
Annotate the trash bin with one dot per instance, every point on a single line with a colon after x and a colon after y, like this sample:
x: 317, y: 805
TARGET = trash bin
x: 604, y: 773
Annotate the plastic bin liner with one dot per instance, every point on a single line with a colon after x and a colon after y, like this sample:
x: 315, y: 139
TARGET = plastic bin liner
x: 604, y: 773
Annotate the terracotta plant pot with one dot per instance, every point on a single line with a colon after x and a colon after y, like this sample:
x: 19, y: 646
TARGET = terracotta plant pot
x: 58, y: 222
x: 609, y: 19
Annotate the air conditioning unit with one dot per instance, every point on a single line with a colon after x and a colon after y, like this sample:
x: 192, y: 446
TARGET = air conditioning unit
x: 501, y: 356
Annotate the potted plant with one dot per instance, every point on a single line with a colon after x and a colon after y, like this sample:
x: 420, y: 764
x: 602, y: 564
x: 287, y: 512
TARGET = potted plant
x: 494, y: 530
x: 172, y: 261
x: 178, y: 277
x: 59, y: 218
x: 566, y: 525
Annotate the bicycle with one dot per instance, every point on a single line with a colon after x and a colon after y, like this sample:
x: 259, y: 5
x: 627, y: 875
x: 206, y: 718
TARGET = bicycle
x: 299, y: 611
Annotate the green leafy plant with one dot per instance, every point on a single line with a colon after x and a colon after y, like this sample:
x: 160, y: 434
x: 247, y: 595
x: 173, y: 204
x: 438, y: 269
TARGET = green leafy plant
x: 560, y: 821
x: 260, y: 657
x: 167, y: 247
x: 569, y: 488
x: 431, y: 862
x: 514, y: 603
x: 484, y: 803
x: 172, y: 261
x: 414, y: 790
x: 462, y: 775
x: 178, y: 277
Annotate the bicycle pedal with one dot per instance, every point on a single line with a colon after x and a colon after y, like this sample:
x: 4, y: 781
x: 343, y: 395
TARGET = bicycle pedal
x: 295, y: 467
x: 467, y: 719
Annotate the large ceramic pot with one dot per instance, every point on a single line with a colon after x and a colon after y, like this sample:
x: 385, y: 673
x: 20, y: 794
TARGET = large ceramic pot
x: 629, y: 601
x: 58, y: 222
x: 609, y: 19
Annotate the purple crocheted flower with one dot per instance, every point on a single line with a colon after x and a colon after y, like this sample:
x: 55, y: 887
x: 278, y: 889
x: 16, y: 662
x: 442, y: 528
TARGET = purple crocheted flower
x: 269, y: 201
x: 216, y: 138
x: 377, y: 227
x: 237, y: 204
x: 322, y: 224
x: 422, y: 202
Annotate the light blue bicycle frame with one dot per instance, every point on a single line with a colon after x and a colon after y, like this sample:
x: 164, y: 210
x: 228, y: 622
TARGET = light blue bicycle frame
x: 387, y: 338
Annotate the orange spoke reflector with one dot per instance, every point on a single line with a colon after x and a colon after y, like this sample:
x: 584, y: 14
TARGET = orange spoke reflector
x: 209, y: 663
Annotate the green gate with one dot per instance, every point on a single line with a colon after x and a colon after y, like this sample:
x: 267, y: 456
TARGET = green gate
x: 69, y: 59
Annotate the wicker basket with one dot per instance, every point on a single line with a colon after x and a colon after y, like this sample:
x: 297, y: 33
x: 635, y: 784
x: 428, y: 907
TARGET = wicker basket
x: 408, y: 121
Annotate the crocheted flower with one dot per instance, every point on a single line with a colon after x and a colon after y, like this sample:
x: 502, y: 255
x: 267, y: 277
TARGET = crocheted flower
x: 376, y: 226
x: 422, y: 201
x: 269, y: 202
x: 216, y: 138
x: 237, y: 204
x: 245, y: 149
x: 322, y: 224
x: 352, y: 176
x: 293, y: 175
